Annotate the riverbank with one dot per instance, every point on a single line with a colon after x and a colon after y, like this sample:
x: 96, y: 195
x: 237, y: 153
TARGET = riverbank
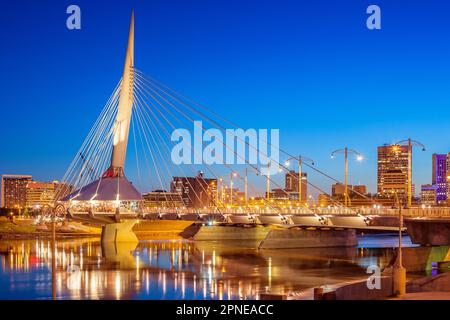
x: 26, y: 228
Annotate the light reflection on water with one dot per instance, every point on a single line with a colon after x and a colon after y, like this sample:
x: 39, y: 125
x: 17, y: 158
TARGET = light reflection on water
x: 178, y: 269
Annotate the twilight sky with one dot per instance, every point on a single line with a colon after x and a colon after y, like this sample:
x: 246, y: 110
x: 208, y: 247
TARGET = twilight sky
x: 309, y: 68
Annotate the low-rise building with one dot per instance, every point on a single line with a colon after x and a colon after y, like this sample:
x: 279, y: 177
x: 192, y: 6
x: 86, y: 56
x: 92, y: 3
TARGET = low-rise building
x: 428, y: 195
x: 196, y: 192
x: 338, y: 190
x: 162, y: 199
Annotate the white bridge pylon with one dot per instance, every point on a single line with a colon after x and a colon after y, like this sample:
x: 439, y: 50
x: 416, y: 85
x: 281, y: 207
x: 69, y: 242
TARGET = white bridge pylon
x: 122, y: 125
x: 113, y: 185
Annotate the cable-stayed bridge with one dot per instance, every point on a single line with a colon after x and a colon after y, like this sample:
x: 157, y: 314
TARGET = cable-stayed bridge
x: 145, y: 112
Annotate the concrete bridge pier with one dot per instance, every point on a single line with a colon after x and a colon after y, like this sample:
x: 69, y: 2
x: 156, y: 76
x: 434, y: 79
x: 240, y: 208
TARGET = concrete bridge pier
x: 119, y: 232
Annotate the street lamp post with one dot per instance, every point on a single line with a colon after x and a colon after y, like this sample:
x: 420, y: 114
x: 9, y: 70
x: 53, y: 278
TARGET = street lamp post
x: 219, y: 191
x: 246, y: 187
x: 300, y: 160
x: 269, y: 166
x: 259, y: 172
x: 233, y: 174
x: 359, y: 157
x: 399, y: 272
x: 410, y: 143
x: 313, y: 201
x: 53, y: 215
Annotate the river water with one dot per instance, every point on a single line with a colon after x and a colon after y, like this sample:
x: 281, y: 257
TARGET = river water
x: 177, y: 269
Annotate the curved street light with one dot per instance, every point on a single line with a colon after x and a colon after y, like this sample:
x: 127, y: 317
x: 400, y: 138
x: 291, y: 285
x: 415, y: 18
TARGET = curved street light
x: 232, y: 174
x: 410, y: 143
x: 300, y: 160
x: 359, y: 157
x: 238, y: 174
x: 259, y: 172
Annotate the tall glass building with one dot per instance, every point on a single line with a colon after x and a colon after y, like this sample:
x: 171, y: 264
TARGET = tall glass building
x: 439, y: 176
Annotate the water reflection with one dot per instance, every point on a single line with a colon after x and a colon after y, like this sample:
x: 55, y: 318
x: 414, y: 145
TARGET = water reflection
x: 176, y: 269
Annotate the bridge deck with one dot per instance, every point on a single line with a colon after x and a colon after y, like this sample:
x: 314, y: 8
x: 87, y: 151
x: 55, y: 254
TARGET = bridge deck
x: 101, y: 219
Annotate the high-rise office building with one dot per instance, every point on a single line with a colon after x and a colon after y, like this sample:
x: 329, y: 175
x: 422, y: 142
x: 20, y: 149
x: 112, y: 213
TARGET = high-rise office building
x: 196, y: 192
x: 291, y: 183
x: 448, y: 176
x: 392, y: 170
x: 439, y: 176
x: 14, y: 190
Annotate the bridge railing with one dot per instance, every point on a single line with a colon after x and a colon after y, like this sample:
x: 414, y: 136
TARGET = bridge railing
x: 409, y: 212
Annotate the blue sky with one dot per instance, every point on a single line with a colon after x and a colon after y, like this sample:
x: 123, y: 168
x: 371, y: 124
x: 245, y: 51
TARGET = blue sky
x: 310, y: 68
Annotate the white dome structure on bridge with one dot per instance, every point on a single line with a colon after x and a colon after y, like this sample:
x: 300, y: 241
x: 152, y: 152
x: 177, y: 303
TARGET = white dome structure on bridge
x: 106, y: 189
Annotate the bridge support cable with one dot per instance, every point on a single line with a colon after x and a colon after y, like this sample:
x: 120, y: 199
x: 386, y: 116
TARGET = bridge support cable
x: 72, y: 172
x: 156, y: 108
x: 174, y: 95
x: 143, y: 111
x: 146, y: 130
x: 94, y: 150
x: 179, y: 110
x: 148, y: 112
x: 76, y: 175
x: 162, y: 141
x: 149, y: 148
x: 164, y: 103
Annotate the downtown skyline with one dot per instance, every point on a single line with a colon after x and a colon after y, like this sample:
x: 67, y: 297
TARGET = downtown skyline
x: 355, y: 88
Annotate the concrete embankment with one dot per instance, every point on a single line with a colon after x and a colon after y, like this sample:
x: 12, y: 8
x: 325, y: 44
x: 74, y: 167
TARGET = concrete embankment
x: 438, y: 283
x: 434, y: 232
x: 426, y: 288
x: 308, y: 238
x: 359, y: 290
x: 416, y: 259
